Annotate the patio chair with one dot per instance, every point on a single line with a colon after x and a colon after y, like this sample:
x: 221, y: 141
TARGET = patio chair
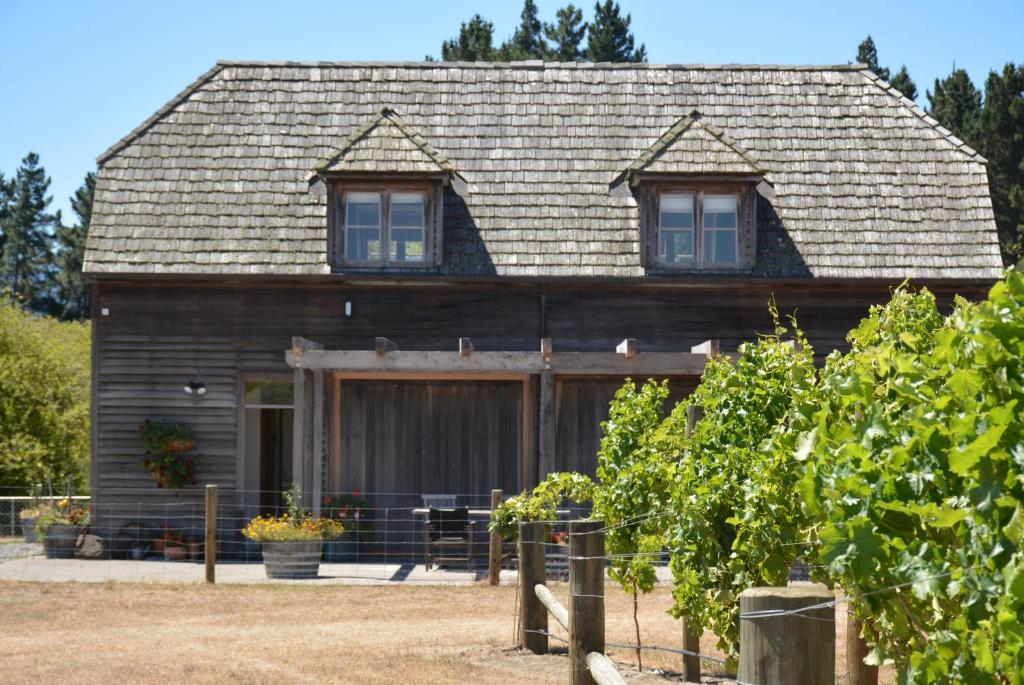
x: 439, y: 501
x: 449, y: 537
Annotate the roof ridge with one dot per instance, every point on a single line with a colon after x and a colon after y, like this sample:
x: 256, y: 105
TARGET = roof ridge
x: 676, y: 130
x: 390, y: 116
x: 540, y: 64
x: 920, y: 113
x: 160, y: 113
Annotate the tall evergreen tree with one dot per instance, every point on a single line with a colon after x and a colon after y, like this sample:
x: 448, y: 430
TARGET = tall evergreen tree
x: 528, y: 40
x: 1001, y: 141
x: 27, y: 262
x: 71, y: 290
x: 475, y: 42
x: 902, y: 82
x: 868, y: 54
x: 609, y: 38
x: 566, y: 34
x: 956, y: 104
x: 6, y: 198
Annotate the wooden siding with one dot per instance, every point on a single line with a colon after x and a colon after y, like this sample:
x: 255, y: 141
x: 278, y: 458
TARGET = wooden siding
x: 159, y: 336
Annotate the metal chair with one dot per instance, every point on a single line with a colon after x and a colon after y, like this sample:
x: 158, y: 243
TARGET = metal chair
x: 449, y: 537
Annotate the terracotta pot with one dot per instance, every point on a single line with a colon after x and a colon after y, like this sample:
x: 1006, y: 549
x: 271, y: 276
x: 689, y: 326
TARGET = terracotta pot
x: 292, y: 559
x: 179, y: 445
x: 60, y: 542
x: 195, y: 550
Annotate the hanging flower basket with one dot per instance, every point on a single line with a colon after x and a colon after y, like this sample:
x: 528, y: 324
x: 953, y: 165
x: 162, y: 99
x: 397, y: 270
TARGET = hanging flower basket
x: 166, y: 445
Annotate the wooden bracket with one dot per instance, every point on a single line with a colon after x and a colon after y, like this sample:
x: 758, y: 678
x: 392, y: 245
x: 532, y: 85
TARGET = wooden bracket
x: 711, y: 348
x: 627, y: 348
x: 465, y: 347
x: 300, y: 345
x: 545, y: 348
x: 383, y: 345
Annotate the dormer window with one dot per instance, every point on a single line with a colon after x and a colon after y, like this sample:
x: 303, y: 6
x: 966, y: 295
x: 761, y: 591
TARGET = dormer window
x: 698, y: 227
x: 385, y: 227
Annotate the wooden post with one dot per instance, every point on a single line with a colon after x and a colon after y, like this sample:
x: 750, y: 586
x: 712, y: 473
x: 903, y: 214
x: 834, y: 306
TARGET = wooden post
x: 533, y: 616
x: 691, y: 643
x: 546, y: 426
x: 856, y: 649
x: 787, y: 649
x: 586, y: 596
x: 494, y: 559
x: 211, y: 533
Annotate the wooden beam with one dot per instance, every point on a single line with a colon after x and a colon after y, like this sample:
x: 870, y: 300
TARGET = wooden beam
x: 465, y: 347
x: 382, y: 346
x: 603, y: 670
x: 627, y: 348
x: 299, y: 426
x: 559, y: 612
x: 300, y: 345
x: 653, y: 364
x: 318, y: 451
x: 711, y: 348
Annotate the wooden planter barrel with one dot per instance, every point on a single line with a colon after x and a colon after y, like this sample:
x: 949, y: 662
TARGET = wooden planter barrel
x: 59, y: 542
x: 292, y: 559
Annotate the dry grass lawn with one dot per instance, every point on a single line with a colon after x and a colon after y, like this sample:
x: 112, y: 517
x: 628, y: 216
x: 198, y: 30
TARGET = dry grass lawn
x: 150, y: 633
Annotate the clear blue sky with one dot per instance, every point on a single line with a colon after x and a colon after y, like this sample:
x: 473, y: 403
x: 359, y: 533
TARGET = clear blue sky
x: 77, y: 76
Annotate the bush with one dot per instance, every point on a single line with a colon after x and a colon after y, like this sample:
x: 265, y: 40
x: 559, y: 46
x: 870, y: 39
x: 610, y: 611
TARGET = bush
x: 44, y: 400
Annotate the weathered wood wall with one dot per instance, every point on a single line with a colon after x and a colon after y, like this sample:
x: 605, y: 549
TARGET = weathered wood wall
x: 159, y: 336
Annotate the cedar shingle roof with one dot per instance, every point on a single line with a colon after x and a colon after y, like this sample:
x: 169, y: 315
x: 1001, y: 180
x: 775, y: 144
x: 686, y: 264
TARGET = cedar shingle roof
x: 692, y: 146
x: 864, y: 184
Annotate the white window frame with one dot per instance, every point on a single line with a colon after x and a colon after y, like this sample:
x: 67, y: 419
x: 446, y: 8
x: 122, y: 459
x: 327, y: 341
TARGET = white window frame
x: 653, y: 189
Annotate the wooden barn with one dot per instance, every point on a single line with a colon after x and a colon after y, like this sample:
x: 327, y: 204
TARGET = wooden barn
x: 410, y: 278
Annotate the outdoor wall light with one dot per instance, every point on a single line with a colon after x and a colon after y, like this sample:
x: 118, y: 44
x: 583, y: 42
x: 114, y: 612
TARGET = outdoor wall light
x: 195, y: 388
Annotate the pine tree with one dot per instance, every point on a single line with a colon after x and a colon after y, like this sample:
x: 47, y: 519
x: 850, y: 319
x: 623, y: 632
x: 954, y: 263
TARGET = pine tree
x: 475, y: 42
x: 956, y: 104
x: 567, y: 34
x: 72, y: 291
x: 867, y: 54
x: 528, y: 40
x: 903, y: 83
x: 25, y: 270
x: 1001, y: 141
x: 6, y: 198
x: 609, y: 38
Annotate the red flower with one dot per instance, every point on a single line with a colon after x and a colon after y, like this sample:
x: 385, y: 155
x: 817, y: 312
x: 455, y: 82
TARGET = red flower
x: 356, y: 493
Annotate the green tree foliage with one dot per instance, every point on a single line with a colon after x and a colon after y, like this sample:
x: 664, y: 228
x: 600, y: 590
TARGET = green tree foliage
x: 528, y: 40
x: 956, y: 104
x: 71, y: 290
x: 566, y: 34
x: 1001, y: 140
x: 6, y: 199
x: 609, y: 38
x: 475, y: 42
x: 26, y: 263
x: 735, y: 521
x: 916, y: 474
x: 867, y: 54
x: 44, y: 399
x: 541, y: 503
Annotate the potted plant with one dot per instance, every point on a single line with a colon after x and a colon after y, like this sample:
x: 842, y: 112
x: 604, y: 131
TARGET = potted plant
x: 354, y: 513
x: 28, y: 523
x: 556, y: 561
x: 292, y: 543
x: 59, y: 525
x: 166, y: 461
x: 171, y: 544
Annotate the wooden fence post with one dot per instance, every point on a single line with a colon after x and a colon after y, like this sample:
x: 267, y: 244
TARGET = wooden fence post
x: 586, y: 596
x: 856, y: 649
x: 533, y: 616
x: 780, y: 649
x: 691, y: 643
x: 494, y: 559
x: 211, y: 533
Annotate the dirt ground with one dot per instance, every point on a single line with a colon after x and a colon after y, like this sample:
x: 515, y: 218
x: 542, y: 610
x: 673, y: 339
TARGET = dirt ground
x: 162, y: 633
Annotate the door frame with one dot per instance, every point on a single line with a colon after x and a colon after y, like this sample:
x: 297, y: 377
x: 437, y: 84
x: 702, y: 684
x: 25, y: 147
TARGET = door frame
x: 243, y: 378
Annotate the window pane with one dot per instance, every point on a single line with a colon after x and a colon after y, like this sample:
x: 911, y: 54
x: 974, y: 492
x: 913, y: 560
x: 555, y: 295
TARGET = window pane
x: 407, y: 210
x: 268, y: 392
x: 363, y: 209
x: 362, y: 244
x: 407, y: 244
x: 676, y: 210
x: 676, y: 247
x: 720, y: 247
x: 720, y: 211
